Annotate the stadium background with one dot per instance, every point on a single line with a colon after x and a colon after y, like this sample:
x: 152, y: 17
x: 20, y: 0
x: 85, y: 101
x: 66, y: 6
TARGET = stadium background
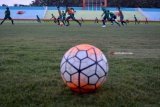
x: 152, y: 14
x: 86, y: 9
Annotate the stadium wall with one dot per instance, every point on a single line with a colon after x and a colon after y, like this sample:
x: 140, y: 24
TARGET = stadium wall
x: 24, y: 12
x: 152, y: 14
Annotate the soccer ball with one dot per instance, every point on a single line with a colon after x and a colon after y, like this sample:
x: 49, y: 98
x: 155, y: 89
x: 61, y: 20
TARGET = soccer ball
x: 61, y: 24
x: 84, y: 68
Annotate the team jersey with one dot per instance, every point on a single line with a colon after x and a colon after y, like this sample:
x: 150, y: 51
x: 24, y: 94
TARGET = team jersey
x: 63, y: 14
x: 70, y: 11
x: 120, y: 13
x: 112, y: 15
x: 7, y: 13
x: 106, y: 13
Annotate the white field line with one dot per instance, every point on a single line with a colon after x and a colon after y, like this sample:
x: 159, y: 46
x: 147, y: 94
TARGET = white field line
x: 122, y: 53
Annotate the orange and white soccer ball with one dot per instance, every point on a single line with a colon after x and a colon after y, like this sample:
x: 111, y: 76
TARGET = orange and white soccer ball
x: 61, y: 24
x: 84, y: 68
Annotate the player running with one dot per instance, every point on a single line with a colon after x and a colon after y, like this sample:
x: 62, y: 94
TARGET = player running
x: 96, y: 20
x: 146, y: 22
x: 7, y: 16
x: 38, y: 19
x: 113, y: 18
x: 71, y: 12
x: 54, y: 18
x: 136, y: 20
x: 105, y: 15
x: 82, y: 20
x: 121, y: 17
x: 61, y: 17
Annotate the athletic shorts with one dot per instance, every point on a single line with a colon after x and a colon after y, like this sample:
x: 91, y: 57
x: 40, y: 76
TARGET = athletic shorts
x: 8, y: 17
x: 71, y: 16
x: 105, y: 17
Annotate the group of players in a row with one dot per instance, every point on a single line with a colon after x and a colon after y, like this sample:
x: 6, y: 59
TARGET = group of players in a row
x: 107, y: 16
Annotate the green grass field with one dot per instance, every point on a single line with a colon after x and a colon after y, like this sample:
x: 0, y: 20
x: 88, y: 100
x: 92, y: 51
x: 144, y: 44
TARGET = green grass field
x: 30, y: 56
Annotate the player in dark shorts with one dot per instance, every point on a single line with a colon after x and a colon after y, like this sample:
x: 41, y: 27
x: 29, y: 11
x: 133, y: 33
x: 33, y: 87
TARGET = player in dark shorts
x: 146, y: 22
x: 53, y: 18
x: 136, y: 20
x: 96, y: 20
x: 62, y: 16
x: 38, y: 19
x: 7, y: 16
x: 113, y: 18
x: 82, y: 20
x: 121, y: 17
x: 105, y: 15
x: 71, y: 12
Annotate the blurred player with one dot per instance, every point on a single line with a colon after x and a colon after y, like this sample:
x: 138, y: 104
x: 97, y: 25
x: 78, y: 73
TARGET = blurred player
x: 82, y: 20
x: 127, y: 21
x: 136, y: 20
x: 71, y: 12
x: 54, y: 18
x: 105, y: 15
x: 7, y: 16
x: 121, y: 17
x: 146, y: 22
x: 113, y: 18
x: 61, y: 17
x: 96, y: 20
x: 38, y: 19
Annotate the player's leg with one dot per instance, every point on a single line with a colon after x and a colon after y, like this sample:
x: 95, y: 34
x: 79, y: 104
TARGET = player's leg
x: 54, y: 18
x: 73, y: 18
x: 3, y: 20
x: 38, y: 20
x: 77, y: 22
x: 146, y: 22
x: 11, y: 20
x: 67, y: 20
x: 58, y: 20
x: 111, y: 20
x: 116, y: 22
x: 104, y: 21
x: 121, y: 20
x: 136, y: 21
x: 97, y: 20
x: 63, y: 20
x: 125, y: 22
x: 82, y: 20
